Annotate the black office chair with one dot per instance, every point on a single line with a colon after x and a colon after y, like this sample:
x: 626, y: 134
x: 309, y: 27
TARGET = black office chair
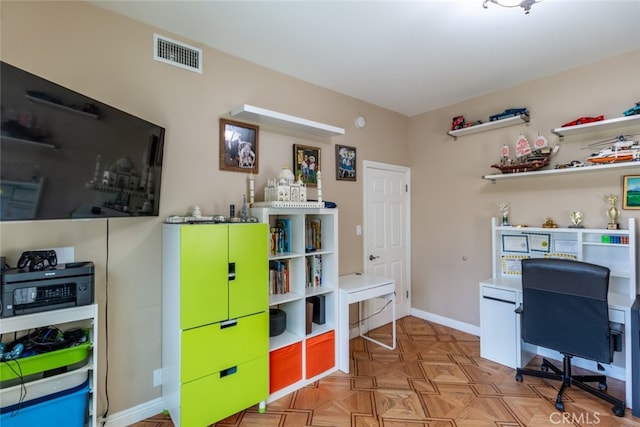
x: 564, y: 308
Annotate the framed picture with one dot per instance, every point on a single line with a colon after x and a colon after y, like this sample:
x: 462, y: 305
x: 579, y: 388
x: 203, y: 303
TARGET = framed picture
x: 517, y: 243
x: 345, y: 163
x: 540, y: 242
x: 306, y: 163
x: 631, y: 192
x: 238, y: 147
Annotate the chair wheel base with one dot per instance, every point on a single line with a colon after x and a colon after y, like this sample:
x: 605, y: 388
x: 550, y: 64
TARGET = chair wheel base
x: 618, y: 411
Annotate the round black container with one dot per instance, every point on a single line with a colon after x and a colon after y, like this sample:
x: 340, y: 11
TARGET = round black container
x: 277, y: 321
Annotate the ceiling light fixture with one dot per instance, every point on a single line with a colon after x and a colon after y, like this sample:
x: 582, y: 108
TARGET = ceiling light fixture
x: 525, y: 4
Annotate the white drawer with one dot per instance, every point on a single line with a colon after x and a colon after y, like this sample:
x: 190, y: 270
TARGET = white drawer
x: 499, y: 294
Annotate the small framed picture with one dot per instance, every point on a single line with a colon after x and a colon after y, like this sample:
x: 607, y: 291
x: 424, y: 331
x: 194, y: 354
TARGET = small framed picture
x: 306, y: 163
x: 238, y: 146
x: 345, y: 163
x: 631, y: 192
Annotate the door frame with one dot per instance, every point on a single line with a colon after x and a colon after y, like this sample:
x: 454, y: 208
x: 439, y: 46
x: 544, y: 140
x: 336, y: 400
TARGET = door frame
x: 367, y: 166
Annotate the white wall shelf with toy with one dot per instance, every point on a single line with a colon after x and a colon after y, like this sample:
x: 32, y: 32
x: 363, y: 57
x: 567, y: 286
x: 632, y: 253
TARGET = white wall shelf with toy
x: 601, y: 129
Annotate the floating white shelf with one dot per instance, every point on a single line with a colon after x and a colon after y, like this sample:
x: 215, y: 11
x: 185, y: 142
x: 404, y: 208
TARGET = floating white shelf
x: 617, y: 123
x: 583, y: 169
x: 285, y: 121
x: 496, y: 124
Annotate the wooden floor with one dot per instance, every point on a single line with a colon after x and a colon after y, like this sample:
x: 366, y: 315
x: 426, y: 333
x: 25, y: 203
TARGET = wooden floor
x: 434, y: 378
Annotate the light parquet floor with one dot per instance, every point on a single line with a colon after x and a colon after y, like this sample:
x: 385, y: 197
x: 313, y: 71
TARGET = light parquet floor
x: 434, y: 378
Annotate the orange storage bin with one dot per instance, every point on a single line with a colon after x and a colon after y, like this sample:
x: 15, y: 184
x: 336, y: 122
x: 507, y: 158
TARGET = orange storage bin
x: 285, y: 366
x: 320, y: 353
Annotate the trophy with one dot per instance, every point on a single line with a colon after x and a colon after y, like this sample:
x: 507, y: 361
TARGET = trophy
x: 576, y: 219
x: 504, y: 209
x: 612, y: 212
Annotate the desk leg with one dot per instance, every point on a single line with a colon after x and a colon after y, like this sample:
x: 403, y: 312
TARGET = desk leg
x: 393, y: 325
x: 343, y: 334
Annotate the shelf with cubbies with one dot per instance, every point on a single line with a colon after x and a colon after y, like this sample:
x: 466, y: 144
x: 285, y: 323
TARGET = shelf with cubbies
x: 614, y: 249
x: 303, y: 264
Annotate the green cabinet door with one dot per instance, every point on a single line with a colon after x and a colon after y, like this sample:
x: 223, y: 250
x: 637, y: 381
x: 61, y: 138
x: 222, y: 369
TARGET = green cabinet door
x: 249, y: 257
x: 204, y: 294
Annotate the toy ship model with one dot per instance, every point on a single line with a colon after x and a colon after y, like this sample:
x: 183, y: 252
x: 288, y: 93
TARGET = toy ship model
x: 622, y: 150
x: 527, y: 159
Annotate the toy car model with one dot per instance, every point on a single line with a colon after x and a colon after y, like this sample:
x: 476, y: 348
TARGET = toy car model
x: 510, y: 112
x: 457, y: 123
x: 633, y: 110
x: 583, y: 120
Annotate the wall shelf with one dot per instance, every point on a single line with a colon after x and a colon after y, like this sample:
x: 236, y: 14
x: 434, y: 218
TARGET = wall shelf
x: 602, y: 125
x: 484, y: 127
x: 273, y: 118
x: 583, y: 169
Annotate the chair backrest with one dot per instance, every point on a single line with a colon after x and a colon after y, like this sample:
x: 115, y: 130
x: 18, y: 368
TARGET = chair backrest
x: 565, y: 307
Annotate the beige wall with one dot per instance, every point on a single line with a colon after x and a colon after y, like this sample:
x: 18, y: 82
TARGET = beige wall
x: 452, y: 205
x: 109, y: 58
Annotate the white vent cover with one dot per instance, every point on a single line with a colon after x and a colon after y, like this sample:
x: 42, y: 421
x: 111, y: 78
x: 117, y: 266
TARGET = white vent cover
x: 177, y: 53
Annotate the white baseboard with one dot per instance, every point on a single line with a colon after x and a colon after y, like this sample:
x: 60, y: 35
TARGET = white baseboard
x: 445, y: 321
x: 133, y: 415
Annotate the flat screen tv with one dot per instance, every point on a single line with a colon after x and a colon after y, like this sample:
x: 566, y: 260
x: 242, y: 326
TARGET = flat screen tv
x: 64, y: 155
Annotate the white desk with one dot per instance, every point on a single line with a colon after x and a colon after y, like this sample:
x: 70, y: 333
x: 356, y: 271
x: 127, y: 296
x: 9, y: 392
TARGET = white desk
x: 501, y: 342
x: 355, y: 288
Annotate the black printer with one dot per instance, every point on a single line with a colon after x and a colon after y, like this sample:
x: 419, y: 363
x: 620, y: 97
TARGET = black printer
x: 52, y: 288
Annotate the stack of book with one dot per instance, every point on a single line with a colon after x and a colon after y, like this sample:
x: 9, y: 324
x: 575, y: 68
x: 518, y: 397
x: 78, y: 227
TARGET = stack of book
x: 313, y: 235
x: 313, y: 271
x: 281, y: 236
x: 278, y: 277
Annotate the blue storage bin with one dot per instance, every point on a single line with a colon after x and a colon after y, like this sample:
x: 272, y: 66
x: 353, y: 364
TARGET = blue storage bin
x: 66, y: 408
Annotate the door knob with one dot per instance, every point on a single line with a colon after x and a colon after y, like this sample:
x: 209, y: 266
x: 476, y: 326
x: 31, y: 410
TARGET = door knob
x: 371, y: 257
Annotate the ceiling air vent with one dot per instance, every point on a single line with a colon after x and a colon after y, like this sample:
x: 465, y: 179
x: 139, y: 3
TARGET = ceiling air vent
x: 177, y: 53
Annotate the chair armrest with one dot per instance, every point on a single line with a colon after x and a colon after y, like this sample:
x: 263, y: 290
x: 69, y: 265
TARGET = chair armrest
x: 616, y: 330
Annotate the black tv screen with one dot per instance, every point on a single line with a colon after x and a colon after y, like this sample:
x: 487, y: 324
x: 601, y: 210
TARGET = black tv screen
x: 64, y: 155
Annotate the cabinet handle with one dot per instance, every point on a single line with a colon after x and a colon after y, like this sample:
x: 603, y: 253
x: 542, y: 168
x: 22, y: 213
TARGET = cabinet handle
x: 232, y: 271
x: 228, y: 323
x: 229, y: 371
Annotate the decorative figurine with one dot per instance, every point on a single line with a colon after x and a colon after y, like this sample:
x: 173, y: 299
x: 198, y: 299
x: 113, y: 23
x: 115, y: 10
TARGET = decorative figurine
x: 612, y: 212
x: 504, y: 208
x: 549, y: 223
x: 244, y: 212
x: 319, y: 185
x: 576, y: 220
x: 251, y: 180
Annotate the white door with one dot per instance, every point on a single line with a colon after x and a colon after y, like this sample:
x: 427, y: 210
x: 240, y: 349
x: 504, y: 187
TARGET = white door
x: 387, y: 242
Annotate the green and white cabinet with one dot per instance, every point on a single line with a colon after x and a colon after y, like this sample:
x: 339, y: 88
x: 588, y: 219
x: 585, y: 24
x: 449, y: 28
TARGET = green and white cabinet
x: 215, y: 323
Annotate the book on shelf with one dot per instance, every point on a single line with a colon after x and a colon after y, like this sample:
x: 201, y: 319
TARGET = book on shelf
x: 313, y: 235
x: 279, y: 277
x: 313, y: 271
x: 283, y: 225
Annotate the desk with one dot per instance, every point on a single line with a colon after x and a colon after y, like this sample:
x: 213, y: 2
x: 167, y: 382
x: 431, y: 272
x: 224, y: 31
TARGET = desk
x: 355, y: 288
x: 500, y: 339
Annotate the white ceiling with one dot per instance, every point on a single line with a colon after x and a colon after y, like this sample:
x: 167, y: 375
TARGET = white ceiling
x: 407, y: 56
